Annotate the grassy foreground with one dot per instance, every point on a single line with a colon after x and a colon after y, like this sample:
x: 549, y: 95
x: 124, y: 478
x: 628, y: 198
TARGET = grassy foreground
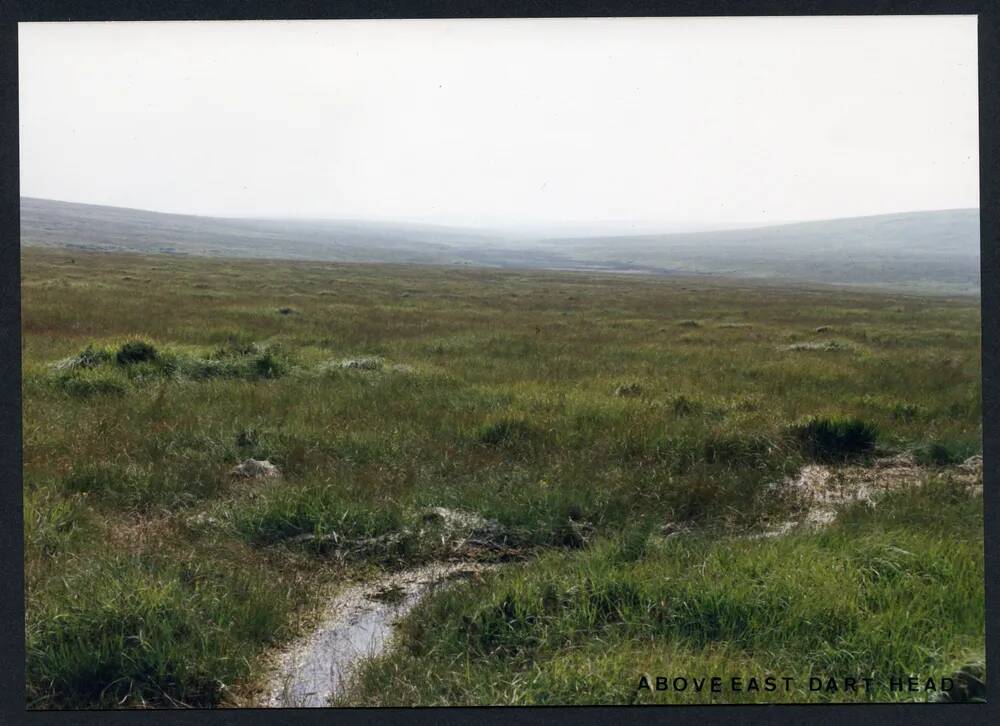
x: 885, y: 592
x: 580, y: 412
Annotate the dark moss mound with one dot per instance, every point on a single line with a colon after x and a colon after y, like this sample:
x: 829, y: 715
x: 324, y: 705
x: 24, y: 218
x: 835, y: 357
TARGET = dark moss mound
x: 135, y: 351
x: 835, y: 439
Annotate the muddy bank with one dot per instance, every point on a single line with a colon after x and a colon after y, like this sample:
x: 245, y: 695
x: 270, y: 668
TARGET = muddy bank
x: 821, y: 490
x: 357, y: 624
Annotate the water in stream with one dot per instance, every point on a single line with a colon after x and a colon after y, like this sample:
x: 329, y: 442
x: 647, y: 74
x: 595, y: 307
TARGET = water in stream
x: 357, y: 624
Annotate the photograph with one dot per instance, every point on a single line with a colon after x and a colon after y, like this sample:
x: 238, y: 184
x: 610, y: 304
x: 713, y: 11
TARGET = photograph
x: 463, y: 362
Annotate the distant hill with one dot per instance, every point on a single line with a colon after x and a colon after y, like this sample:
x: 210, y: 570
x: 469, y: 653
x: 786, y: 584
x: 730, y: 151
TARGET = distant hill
x: 920, y: 251
x: 66, y: 224
x: 937, y: 249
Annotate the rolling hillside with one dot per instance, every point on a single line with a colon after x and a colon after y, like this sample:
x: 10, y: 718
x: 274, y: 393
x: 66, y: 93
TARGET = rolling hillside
x: 935, y: 251
x: 925, y: 249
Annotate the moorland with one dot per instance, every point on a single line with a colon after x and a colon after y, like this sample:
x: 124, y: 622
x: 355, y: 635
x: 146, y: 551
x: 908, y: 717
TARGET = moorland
x: 639, y: 442
x: 919, y: 252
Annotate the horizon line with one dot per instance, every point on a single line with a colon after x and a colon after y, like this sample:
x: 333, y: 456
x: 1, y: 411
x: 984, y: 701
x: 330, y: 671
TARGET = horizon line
x: 730, y: 227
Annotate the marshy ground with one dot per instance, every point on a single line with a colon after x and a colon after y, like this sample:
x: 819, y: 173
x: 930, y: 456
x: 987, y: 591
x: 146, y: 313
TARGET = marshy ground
x: 626, y: 446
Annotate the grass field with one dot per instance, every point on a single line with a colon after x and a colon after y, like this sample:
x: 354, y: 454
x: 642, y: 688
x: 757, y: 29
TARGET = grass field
x: 582, y: 413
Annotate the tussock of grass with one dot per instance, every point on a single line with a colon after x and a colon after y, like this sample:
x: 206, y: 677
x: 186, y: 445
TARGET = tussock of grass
x: 249, y: 362
x: 131, y: 630
x: 135, y: 351
x: 89, y: 357
x: 98, y: 370
x: 835, y: 439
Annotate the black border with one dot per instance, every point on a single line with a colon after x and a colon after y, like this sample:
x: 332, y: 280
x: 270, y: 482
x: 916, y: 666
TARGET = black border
x: 12, y: 704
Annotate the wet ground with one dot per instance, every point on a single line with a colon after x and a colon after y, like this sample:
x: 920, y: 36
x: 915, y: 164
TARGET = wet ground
x: 357, y: 624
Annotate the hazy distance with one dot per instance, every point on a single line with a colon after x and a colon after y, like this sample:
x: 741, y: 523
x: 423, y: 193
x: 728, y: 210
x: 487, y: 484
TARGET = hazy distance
x: 542, y: 127
x: 935, y: 252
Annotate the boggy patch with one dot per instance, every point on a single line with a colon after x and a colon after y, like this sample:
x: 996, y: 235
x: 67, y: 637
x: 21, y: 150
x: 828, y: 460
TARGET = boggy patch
x: 821, y: 491
x: 357, y: 624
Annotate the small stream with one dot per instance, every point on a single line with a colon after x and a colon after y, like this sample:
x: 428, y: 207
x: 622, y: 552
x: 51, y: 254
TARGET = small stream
x: 357, y: 624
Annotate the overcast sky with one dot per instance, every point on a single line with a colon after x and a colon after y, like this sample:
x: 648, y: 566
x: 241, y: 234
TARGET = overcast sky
x: 672, y: 122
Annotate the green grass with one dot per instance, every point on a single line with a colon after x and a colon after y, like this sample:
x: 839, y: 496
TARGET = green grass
x: 881, y: 593
x: 114, y: 632
x: 291, y: 512
x: 581, y: 412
